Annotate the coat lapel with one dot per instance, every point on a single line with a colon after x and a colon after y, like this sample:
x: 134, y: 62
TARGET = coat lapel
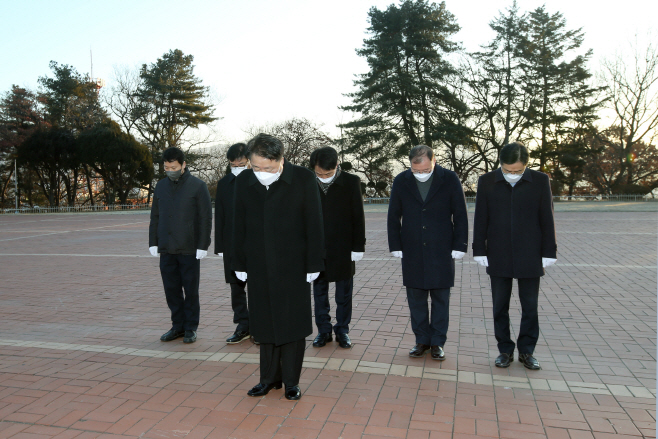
x: 410, y: 181
x: 436, y: 182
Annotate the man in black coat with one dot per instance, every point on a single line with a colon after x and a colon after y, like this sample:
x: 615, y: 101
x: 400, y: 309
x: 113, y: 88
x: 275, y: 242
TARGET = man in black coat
x: 428, y: 230
x: 279, y: 246
x: 224, y: 206
x: 345, y: 240
x: 181, y: 220
x: 514, y: 237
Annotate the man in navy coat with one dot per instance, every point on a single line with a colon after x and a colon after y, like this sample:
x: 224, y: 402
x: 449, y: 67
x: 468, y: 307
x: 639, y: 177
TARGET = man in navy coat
x: 428, y: 230
x: 514, y: 237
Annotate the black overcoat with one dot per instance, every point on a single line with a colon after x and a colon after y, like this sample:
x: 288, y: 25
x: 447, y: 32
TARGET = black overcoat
x: 344, y: 226
x: 427, y: 232
x: 514, y: 226
x: 181, y: 215
x: 279, y: 238
x: 224, y: 206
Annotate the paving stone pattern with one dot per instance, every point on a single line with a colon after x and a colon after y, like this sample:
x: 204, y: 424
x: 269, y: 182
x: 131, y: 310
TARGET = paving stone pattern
x: 82, y: 310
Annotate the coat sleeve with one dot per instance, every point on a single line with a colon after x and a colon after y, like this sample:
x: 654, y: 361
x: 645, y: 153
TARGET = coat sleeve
x: 238, y: 255
x: 547, y: 222
x: 393, y: 224
x: 358, y: 219
x: 204, y: 215
x: 481, y: 221
x: 459, y: 217
x: 219, y: 221
x: 314, y: 226
x: 153, y: 226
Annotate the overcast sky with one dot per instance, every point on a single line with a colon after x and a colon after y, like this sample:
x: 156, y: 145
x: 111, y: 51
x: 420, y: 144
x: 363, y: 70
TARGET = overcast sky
x: 266, y: 60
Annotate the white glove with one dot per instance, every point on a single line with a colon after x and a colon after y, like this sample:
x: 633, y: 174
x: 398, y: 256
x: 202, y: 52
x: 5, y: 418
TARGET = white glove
x: 456, y: 254
x: 154, y: 250
x: 200, y: 254
x: 221, y: 255
x: 357, y: 256
x: 397, y: 254
x: 482, y: 260
x: 310, y: 277
x: 241, y: 275
x: 547, y: 262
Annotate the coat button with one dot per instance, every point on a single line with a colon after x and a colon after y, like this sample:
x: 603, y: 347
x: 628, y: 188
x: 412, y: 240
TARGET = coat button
x: 424, y: 210
x: 424, y: 227
x: 424, y: 243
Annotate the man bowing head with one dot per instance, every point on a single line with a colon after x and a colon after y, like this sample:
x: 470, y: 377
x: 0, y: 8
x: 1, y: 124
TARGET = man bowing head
x: 428, y: 229
x: 279, y: 247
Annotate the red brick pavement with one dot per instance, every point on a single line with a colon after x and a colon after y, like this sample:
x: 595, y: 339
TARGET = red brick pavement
x: 72, y: 284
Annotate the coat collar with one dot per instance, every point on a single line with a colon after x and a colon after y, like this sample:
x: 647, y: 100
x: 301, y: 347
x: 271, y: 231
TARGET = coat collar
x: 437, y: 180
x: 498, y: 175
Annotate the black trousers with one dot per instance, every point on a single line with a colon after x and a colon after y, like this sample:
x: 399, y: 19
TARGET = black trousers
x: 182, y: 272
x: 282, y: 363
x: 429, y: 329
x: 343, y: 298
x: 501, y: 289
x: 239, y: 305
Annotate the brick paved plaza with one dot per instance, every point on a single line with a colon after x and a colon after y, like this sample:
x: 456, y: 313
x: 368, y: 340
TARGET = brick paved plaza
x: 82, y: 309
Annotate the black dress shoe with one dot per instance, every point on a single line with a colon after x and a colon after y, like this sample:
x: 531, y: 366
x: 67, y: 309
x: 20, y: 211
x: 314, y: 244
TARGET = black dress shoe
x: 293, y: 393
x: 322, y: 339
x: 529, y: 361
x: 437, y: 353
x: 237, y: 337
x: 504, y: 360
x: 344, y: 341
x: 263, y: 389
x: 419, y: 350
x: 172, y: 334
x: 190, y: 337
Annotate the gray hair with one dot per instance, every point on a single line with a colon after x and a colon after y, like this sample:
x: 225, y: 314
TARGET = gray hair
x: 418, y: 152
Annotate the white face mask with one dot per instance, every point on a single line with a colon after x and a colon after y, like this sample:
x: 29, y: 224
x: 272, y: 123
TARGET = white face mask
x: 423, y: 177
x: 513, y: 178
x: 327, y: 180
x: 236, y: 170
x: 267, y: 178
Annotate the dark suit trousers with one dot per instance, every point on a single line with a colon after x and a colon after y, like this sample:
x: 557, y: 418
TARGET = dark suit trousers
x: 182, y: 272
x: 343, y: 298
x: 429, y: 329
x: 239, y: 305
x: 282, y: 363
x: 501, y: 289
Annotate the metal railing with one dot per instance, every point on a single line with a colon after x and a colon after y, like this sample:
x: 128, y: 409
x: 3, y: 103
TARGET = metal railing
x: 557, y: 198
x: 73, y: 209
x: 373, y: 200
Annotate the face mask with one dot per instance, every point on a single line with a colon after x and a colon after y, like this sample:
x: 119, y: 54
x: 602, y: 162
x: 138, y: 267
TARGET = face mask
x: 174, y: 175
x: 512, y: 178
x: 327, y: 180
x: 423, y: 177
x: 267, y: 178
x: 236, y: 170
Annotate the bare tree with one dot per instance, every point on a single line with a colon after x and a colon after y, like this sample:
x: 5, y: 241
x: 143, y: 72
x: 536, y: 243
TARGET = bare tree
x: 300, y: 138
x: 633, y: 91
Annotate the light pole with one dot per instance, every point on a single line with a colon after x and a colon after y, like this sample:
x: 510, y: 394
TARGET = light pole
x: 16, y: 183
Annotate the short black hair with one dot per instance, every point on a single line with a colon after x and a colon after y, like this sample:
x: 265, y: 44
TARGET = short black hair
x: 236, y: 151
x: 514, y: 152
x: 419, y: 151
x: 173, y: 154
x: 266, y: 146
x: 326, y: 158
